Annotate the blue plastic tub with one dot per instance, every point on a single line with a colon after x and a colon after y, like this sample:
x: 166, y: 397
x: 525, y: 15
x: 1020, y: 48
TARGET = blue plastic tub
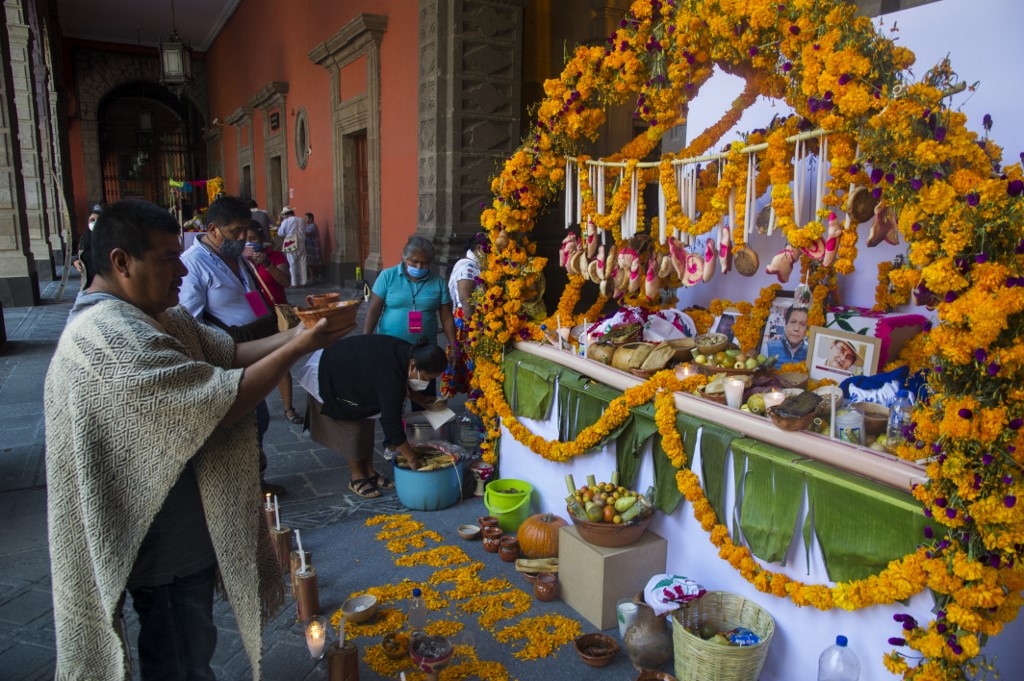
x: 429, y: 490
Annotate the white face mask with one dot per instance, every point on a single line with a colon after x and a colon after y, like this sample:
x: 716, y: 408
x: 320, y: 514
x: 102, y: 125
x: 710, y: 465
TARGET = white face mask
x: 418, y: 384
x: 92, y: 225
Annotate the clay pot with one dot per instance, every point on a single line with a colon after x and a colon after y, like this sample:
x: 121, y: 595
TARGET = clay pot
x: 487, y: 521
x: 545, y: 586
x: 508, y: 548
x: 648, y: 641
x: 492, y: 539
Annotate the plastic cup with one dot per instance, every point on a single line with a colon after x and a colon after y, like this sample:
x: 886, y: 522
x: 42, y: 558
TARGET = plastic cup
x: 625, y: 612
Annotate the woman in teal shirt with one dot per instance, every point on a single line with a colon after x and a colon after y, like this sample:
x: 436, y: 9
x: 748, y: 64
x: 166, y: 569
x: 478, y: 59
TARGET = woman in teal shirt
x: 408, y: 299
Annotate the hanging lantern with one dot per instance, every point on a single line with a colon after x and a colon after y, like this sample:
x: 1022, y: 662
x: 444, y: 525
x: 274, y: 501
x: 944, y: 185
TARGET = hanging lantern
x: 175, y: 63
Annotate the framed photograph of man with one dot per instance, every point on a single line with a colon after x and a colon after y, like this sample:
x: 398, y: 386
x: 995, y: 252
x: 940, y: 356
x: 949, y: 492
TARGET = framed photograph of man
x: 785, y: 330
x: 839, y: 354
x: 724, y: 323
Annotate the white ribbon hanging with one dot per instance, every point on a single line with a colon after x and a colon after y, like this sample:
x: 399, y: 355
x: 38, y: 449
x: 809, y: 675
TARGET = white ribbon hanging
x: 751, y: 200
x: 683, y: 191
x: 568, y: 193
x: 661, y: 214
x: 856, y: 155
x: 819, y: 202
x: 624, y: 218
x: 579, y: 197
x: 634, y: 202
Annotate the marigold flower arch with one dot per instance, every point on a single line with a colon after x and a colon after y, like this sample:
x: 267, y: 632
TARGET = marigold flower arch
x: 960, y: 211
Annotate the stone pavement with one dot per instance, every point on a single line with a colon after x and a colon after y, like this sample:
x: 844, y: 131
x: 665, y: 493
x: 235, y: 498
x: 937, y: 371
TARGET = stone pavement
x: 331, y: 519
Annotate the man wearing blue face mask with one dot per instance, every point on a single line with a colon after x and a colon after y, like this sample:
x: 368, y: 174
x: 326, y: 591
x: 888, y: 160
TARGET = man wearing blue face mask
x: 221, y: 290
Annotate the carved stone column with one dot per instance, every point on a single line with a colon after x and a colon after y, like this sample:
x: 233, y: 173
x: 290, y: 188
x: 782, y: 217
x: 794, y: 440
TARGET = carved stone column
x: 19, y: 283
x: 242, y: 120
x: 28, y: 137
x: 271, y: 100
x: 469, y: 112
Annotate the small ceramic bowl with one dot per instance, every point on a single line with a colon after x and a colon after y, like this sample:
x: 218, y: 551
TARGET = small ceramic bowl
x: 395, y: 645
x: 596, y: 650
x: 359, y: 608
x: 469, y: 532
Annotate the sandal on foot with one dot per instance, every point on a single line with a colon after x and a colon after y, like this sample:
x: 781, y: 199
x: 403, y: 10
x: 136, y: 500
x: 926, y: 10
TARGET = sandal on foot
x: 294, y: 418
x: 364, y: 487
x: 381, y: 482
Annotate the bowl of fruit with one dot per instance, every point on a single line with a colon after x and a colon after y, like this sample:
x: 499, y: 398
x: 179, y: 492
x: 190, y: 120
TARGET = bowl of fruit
x: 731, y: 361
x: 607, y: 514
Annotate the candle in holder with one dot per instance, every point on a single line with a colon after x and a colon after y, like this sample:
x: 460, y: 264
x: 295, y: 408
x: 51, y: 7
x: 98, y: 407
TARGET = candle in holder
x: 268, y: 511
x: 294, y: 564
x: 688, y: 370
x: 316, y: 636
x: 281, y: 538
x: 343, y: 662
x: 734, y: 388
x: 307, y: 593
x: 774, y: 398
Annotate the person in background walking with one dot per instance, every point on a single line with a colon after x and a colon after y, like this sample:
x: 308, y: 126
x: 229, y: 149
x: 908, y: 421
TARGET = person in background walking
x: 293, y: 231
x: 464, y: 280
x: 272, y: 268
x: 313, y: 259
x: 83, y: 263
x: 260, y: 216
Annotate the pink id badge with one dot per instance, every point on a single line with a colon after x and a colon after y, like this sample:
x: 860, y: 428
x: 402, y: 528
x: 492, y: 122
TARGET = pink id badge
x: 415, y: 321
x: 259, y: 308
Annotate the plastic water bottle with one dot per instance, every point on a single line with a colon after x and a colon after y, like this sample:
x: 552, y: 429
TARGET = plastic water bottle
x: 416, y: 618
x: 899, y: 417
x: 838, y: 663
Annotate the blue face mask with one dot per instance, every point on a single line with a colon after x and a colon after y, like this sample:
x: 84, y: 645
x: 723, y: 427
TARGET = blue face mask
x: 416, y: 272
x: 254, y: 245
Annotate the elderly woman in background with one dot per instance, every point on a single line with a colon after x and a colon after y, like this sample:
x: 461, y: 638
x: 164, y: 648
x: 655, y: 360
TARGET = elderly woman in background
x: 408, y: 300
x: 464, y: 279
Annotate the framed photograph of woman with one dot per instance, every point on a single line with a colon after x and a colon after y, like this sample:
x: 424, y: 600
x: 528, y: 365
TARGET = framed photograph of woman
x: 785, y: 330
x: 839, y: 354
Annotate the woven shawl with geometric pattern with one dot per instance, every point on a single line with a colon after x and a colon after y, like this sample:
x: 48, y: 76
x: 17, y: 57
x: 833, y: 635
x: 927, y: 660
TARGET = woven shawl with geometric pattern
x: 129, y: 401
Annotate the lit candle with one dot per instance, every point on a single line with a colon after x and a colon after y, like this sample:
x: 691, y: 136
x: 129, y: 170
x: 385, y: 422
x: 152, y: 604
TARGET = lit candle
x: 688, y: 370
x: 734, y: 392
x: 302, y: 554
x: 277, y: 515
x: 269, y: 505
x: 316, y: 634
x: 774, y: 398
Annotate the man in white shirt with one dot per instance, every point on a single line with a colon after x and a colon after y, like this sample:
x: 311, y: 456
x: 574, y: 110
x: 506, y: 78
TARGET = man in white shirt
x: 220, y: 289
x: 294, y: 229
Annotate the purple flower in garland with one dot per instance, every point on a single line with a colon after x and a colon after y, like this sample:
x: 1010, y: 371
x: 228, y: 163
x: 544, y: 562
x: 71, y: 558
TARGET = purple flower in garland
x: 981, y: 258
x: 993, y: 368
x: 794, y: 29
x: 916, y: 227
x: 941, y: 502
x: 1015, y: 187
x: 876, y: 175
x: 994, y: 561
x: 845, y: 78
x: 986, y: 122
x: 787, y: 67
x: 941, y: 628
x: 929, y: 533
x: 951, y: 513
x: 876, y: 192
x: 1015, y: 424
x: 987, y: 458
x: 817, y: 47
x: 897, y: 641
x: 855, y: 168
x: 753, y: 50
x: 940, y: 134
x: 916, y: 184
x: 965, y: 413
x: 950, y: 296
x: 980, y: 355
x: 1009, y: 501
x: 1007, y: 480
x: 1019, y: 248
x: 973, y: 199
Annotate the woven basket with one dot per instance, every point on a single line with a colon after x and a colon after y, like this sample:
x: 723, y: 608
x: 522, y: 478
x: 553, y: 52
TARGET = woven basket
x: 700, y: 660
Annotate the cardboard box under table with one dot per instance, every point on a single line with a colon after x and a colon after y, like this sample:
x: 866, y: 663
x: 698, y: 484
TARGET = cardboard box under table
x: 592, y: 579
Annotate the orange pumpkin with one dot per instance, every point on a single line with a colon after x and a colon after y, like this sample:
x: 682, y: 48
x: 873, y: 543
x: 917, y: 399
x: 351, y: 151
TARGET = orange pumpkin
x: 538, y: 535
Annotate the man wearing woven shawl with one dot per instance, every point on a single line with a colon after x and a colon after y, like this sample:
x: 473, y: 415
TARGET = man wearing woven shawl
x: 152, y: 463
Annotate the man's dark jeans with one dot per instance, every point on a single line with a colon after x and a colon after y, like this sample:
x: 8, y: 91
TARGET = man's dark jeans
x: 177, y: 634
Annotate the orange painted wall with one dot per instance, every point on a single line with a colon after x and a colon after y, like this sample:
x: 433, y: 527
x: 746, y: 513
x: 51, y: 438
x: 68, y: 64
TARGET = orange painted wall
x: 266, y: 41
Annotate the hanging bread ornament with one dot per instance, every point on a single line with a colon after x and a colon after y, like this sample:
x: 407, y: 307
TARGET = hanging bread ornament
x: 652, y: 286
x: 860, y: 204
x: 709, y: 261
x: 884, y: 226
x: 816, y: 251
x: 782, y: 264
x: 635, y: 278
x: 763, y: 219
x: 677, y: 252
x: 745, y: 261
x: 569, y: 244
x: 607, y: 287
x: 665, y: 266
x: 725, y: 248
x: 592, y: 242
x: 694, y: 270
x: 831, y: 240
x: 611, y: 262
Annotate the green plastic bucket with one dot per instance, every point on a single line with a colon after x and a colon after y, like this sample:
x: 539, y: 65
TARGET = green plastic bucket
x: 510, y: 507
